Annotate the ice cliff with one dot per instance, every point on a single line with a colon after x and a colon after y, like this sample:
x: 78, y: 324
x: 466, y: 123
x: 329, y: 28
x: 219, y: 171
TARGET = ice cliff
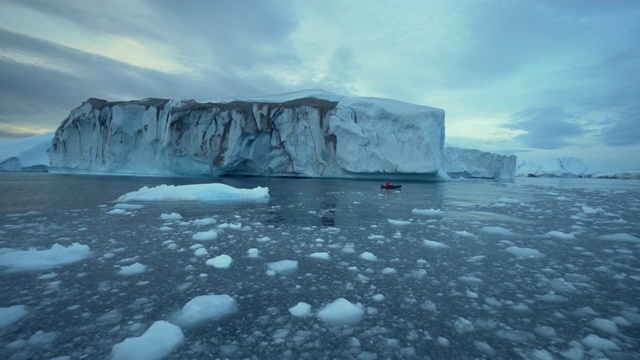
x: 471, y: 163
x: 570, y: 167
x: 308, y: 134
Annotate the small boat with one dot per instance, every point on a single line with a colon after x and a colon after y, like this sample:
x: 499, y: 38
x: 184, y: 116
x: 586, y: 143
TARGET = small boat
x: 390, y: 186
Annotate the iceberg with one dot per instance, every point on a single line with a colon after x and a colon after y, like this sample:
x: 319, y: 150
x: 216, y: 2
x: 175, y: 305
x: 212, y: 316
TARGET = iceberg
x: 196, y: 192
x: 570, y: 167
x: 472, y: 163
x: 308, y: 134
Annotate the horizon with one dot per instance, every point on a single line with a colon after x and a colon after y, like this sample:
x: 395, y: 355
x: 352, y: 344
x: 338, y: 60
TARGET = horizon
x: 540, y: 80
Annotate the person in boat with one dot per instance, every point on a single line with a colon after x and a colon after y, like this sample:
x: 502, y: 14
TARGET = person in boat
x: 388, y: 183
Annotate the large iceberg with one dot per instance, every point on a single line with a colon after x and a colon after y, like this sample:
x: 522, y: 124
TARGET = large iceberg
x: 306, y: 134
x: 472, y: 163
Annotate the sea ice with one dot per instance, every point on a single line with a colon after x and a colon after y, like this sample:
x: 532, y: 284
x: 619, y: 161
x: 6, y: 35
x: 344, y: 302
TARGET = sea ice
x: 341, y: 312
x: 283, y: 266
x: 301, y: 309
x: 398, y: 222
x: 157, y: 342
x: 196, y: 192
x: 321, y: 256
x: 132, y: 269
x: 525, y: 252
x: 11, y: 314
x: 205, y: 235
x: 596, y: 342
x: 427, y: 212
x: 496, y: 230
x: 25, y: 260
x: 171, y: 216
x: 620, y: 237
x: 220, y: 262
x: 253, y: 253
x: 204, y: 308
x: 434, y: 244
x: 561, y: 235
x: 368, y: 256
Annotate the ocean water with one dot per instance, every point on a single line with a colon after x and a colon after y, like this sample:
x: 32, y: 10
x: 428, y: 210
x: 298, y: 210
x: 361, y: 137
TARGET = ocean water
x: 534, y: 269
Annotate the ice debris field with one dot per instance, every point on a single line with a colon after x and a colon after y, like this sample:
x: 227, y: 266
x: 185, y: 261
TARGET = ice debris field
x: 523, y: 272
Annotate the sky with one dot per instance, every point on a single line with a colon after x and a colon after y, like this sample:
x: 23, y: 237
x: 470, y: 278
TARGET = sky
x: 539, y: 79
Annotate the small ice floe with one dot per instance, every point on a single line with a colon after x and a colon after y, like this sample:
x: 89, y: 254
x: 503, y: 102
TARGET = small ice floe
x: 596, y: 342
x: 398, y: 222
x: 157, y: 342
x: 604, y: 325
x: 341, y: 312
x: 27, y: 260
x: 201, y: 252
x: 301, y: 309
x: 464, y: 234
x: 283, y: 267
x: 389, y: 271
x: 220, y: 262
x: 231, y: 226
x: 561, y: 235
x: 620, y: 237
x: 431, y: 212
x: 321, y: 256
x: 368, y: 256
x: 171, y: 216
x: 132, y: 269
x: 589, y: 210
x: 197, y: 192
x: 524, y: 252
x: 204, y: 308
x: 434, y: 244
x: 128, y: 206
x: 11, y: 314
x: 496, y: 230
x: 205, y: 235
x: 253, y: 253
x: 204, y: 221
x: 119, y: 212
x: 462, y: 325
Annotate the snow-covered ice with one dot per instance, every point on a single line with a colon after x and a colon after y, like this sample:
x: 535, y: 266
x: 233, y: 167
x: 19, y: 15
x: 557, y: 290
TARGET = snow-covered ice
x: 27, y: 260
x: 204, y: 308
x: 341, y: 312
x: 157, y: 342
x: 220, y: 262
x: 195, y: 192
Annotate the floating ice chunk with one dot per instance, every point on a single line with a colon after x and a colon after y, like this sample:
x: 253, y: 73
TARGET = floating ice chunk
x: 205, y: 235
x: 11, y: 314
x: 368, y: 256
x: 132, y: 269
x: 220, y: 262
x: 427, y: 212
x: 119, y: 212
x: 15, y: 260
x: 470, y: 280
x: 462, y: 325
x: 341, y: 312
x: 41, y: 338
x: 389, y: 271
x: 589, y: 210
x: 321, y: 256
x: 157, y: 342
x: 230, y: 226
x: 128, y: 206
x: 596, y: 342
x: 201, y: 252
x: 171, y: 216
x: 604, y: 325
x: 398, y: 222
x: 204, y: 308
x: 253, y: 253
x: 434, y: 244
x: 465, y: 234
x: 509, y: 200
x: 484, y: 347
x: 525, y: 252
x: 349, y: 249
x: 378, y: 297
x: 561, y: 235
x: 442, y: 341
x: 197, y: 192
x: 553, y: 297
x: 283, y: 266
x: 561, y: 285
x: 544, y: 330
x: 575, y: 353
x: 620, y: 237
x: 496, y: 230
x: 301, y: 309
x: 375, y: 237
x: 204, y: 222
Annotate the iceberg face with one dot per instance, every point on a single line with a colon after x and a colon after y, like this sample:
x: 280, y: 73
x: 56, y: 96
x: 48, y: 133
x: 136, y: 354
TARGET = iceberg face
x: 561, y: 167
x: 471, y: 163
x: 323, y: 135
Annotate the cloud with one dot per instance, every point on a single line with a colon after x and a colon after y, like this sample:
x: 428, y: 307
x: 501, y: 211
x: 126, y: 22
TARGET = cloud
x: 547, y: 127
x: 623, y: 130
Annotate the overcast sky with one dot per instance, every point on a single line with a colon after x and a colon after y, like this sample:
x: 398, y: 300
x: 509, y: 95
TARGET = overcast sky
x: 539, y: 79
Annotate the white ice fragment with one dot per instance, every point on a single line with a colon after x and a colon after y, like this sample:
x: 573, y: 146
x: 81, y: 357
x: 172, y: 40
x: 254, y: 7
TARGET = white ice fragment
x: 470, y: 280
x: 263, y: 239
x: 434, y: 244
x: 204, y: 308
x: 205, y: 235
x: 389, y: 271
x: 398, y: 222
x: 300, y: 309
x: 464, y: 234
x: 32, y: 259
x: 171, y: 216
x: 368, y: 256
x: 220, y: 262
x: 196, y: 192
x: 378, y: 297
x: 462, y: 325
x: 525, y: 252
x: 442, y: 341
x: 321, y: 256
x: 561, y: 235
x: 604, y: 325
x: 157, y: 342
x: 204, y: 221
x: 341, y: 312
x: 132, y: 269
x: 11, y: 314
x: 427, y: 212
x: 201, y: 252
x: 496, y: 230
x: 620, y: 237
x: 118, y: 212
x: 283, y: 266
x: 253, y: 253
x: 41, y: 338
x: 596, y: 342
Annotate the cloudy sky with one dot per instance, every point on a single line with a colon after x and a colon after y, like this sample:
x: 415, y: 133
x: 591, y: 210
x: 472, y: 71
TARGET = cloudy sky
x: 536, y: 78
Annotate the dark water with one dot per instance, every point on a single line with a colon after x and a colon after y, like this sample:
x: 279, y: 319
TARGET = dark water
x: 473, y: 299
